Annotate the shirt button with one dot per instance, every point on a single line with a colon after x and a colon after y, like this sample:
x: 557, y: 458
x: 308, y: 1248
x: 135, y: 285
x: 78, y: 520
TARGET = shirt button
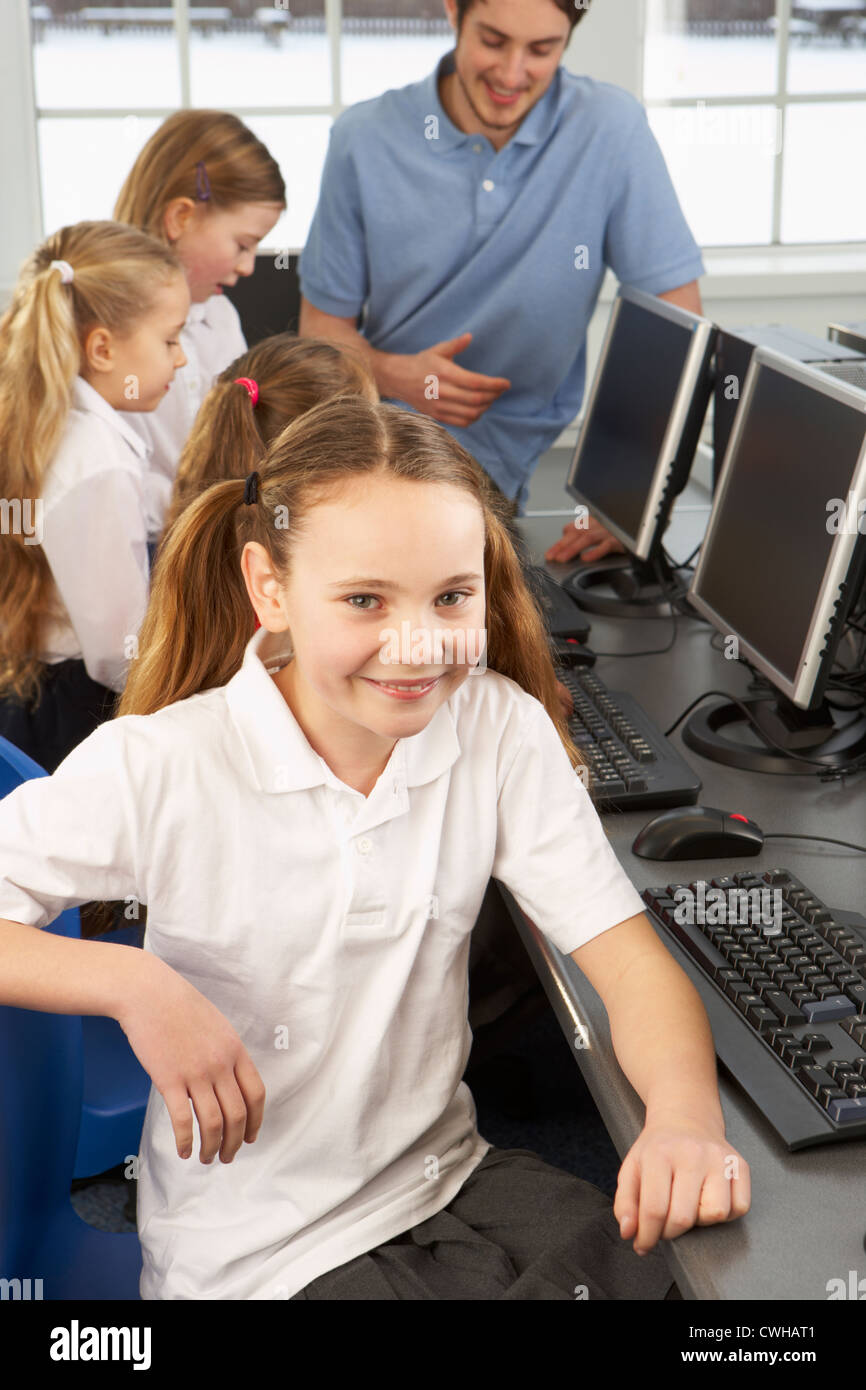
x: 488, y: 185
x: 477, y: 148
x: 364, y: 846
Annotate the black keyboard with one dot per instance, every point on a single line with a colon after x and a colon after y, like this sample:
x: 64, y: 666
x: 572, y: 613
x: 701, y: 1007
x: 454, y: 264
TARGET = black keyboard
x: 564, y: 618
x: 783, y: 980
x: 631, y: 765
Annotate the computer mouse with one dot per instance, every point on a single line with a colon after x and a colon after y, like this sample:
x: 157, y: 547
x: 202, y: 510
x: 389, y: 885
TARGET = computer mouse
x: 699, y: 832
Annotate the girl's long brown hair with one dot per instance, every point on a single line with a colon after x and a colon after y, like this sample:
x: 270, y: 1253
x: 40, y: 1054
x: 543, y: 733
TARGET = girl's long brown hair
x: 230, y: 436
x: 237, y: 169
x: 199, y: 619
x: 117, y: 272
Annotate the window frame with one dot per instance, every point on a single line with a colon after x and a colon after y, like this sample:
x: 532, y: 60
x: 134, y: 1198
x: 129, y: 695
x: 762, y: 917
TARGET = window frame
x: 610, y: 46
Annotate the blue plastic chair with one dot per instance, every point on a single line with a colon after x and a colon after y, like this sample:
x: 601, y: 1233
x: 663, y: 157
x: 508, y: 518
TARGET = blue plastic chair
x: 41, y: 1235
x: 116, y: 1086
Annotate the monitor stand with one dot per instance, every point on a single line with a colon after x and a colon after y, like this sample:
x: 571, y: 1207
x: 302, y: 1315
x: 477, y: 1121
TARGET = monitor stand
x: 640, y: 589
x: 721, y: 732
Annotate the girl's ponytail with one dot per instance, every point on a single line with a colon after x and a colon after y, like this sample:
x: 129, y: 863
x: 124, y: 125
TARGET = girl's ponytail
x: 199, y: 617
x: 116, y: 275
x: 231, y: 434
x: 39, y: 347
x: 225, y: 442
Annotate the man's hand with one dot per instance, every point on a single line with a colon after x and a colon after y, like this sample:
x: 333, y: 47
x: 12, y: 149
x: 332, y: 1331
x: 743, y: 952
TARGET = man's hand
x: 679, y: 1174
x: 432, y: 383
x: 590, y: 541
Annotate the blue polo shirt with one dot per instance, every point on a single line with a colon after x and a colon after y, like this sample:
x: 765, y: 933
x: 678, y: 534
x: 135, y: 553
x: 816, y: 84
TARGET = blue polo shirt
x: 432, y: 233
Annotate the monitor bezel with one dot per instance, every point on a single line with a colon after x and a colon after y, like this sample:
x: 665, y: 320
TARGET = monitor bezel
x: 701, y: 349
x: 815, y: 653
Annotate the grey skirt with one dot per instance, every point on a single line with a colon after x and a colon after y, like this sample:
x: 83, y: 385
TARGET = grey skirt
x: 518, y: 1228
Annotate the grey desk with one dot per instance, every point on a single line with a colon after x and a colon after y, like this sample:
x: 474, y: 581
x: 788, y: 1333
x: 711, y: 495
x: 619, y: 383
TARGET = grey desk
x: 808, y: 1215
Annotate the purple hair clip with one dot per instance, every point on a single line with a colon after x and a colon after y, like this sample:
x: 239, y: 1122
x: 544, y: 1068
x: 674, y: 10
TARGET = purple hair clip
x: 202, y: 182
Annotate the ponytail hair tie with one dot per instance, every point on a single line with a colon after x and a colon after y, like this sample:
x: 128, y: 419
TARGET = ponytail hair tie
x: 251, y: 386
x: 67, y: 274
x: 251, y: 488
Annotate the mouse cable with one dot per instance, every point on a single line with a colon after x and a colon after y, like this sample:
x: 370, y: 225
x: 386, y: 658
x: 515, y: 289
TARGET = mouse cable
x: 829, y: 773
x: 825, y: 839
x: 654, y: 651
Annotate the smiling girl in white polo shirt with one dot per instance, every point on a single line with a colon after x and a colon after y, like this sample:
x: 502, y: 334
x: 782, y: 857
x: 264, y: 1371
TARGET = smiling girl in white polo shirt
x: 313, y: 842
x: 208, y: 187
x: 92, y: 328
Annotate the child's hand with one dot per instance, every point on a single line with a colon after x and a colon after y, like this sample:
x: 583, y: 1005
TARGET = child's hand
x: 677, y: 1175
x: 192, y: 1053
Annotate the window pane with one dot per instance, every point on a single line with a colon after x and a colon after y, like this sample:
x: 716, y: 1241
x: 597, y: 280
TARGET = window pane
x: 83, y: 163
x: 299, y: 145
x: 259, y: 55
x: 824, y: 196
x: 709, y: 48
x: 828, y: 53
x: 94, y: 57
x: 389, y: 43
x: 721, y: 161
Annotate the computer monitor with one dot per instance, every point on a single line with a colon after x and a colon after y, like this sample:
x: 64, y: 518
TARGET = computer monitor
x: 734, y: 350
x: 850, y: 335
x: 783, y: 559
x: 635, y: 449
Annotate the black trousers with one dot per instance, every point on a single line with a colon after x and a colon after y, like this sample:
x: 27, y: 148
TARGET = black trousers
x: 70, y: 707
x: 519, y: 1228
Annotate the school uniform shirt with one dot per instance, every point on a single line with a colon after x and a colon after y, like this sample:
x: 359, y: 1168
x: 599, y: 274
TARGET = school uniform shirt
x: 97, y: 505
x: 332, y: 931
x: 211, y: 339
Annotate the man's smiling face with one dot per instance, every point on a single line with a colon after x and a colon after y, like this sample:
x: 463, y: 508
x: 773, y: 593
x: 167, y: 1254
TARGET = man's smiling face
x: 506, y: 56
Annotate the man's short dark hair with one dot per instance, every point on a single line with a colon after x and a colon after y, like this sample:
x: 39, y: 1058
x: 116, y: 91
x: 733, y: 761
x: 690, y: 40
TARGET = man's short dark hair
x: 574, y: 11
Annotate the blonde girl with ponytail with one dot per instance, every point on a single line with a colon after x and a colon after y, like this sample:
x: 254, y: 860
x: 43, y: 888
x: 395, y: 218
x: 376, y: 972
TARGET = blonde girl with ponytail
x: 90, y: 336
x: 206, y: 186
x: 312, y: 813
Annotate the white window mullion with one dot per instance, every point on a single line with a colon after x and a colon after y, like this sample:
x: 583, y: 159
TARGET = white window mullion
x: 181, y: 26
x: 19, y: 151
x: 334, y: 27
x: 783, y: 19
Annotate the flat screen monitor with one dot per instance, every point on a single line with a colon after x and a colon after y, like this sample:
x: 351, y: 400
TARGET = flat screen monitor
x: 781, y: 563
x: 644, y: 415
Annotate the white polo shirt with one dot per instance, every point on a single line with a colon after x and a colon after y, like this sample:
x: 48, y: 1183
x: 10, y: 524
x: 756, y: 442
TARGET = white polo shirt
x: 97, y: 503
x: 332, y: 930
x: 211, y: 339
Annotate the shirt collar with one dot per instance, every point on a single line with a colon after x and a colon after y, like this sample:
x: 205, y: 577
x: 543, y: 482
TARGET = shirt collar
x: 198, y: 313
x: 282, y: 759
x: 533, y: 129
x: 86, y: 397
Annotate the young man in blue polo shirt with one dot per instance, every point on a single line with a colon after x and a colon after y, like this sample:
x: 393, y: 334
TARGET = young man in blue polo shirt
x: 474, y: 214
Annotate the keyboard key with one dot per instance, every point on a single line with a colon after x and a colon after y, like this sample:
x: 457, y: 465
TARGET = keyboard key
x: 780, y: 1039
x: 796, y: 1057
x: 857, y: 995
x: 824, y: 1010
x: 826, y: 1094
x: 813, y: 1078
x: 762, y: 1018
x: 783, y: 1007
x: 817, y: 1042
x: 847, y: 1110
